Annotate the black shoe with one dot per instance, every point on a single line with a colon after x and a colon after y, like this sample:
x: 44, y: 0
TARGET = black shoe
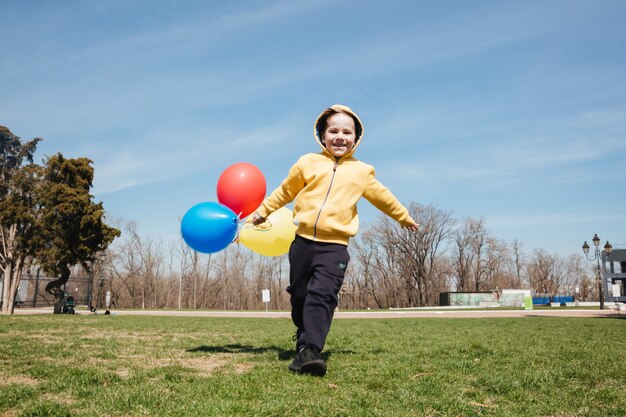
x: 308, y: 361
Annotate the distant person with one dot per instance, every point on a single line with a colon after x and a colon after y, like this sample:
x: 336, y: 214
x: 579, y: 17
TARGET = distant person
x: 325, y: 188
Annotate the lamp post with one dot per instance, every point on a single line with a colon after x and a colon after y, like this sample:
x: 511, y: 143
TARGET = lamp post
x: 97, y: 267
x: 102, y: 282
x: 596, y: 257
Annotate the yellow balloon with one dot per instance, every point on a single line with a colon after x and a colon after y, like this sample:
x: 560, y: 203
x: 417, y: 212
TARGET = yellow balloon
x: 271, y: 238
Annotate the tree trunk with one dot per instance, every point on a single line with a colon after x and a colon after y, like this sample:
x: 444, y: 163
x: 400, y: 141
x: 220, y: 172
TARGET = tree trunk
x: 5, y: 291
x: 10, y: 266
x: 54, y: 288
x: 14, y: 286
x: 12, y: 277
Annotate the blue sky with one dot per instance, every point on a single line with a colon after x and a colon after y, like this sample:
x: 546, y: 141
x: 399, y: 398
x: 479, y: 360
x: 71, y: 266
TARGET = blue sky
x: 514, y: 111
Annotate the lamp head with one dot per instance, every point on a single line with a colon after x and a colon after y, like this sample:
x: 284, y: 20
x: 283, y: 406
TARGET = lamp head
x: 596, y: 240
x: 585, y: 247
x: 608, y: 248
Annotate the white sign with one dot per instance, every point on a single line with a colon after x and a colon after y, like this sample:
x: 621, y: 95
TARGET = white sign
x: 108, y: 299
x: 266, y: 295
x: 616, y: 290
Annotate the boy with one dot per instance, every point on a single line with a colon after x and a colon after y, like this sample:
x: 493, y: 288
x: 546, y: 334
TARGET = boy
x: 325, y: 188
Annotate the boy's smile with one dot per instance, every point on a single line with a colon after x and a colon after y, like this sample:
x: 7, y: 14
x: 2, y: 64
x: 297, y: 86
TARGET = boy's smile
x: 340, y: 134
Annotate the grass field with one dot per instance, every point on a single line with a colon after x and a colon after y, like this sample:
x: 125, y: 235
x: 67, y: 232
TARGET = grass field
x: 194, y: 366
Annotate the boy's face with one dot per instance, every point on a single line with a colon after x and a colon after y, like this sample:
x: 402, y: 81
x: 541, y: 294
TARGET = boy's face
x: 340, y: 134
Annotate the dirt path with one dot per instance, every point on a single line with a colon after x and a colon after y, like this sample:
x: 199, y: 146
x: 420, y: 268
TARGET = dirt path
x: 387, y: 314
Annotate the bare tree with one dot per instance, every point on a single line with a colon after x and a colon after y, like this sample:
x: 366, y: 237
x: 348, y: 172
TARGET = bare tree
x: 126, y: 269
x: 546, y: 272
x: 420, y: 252
x: 401, y: 268
x: 361, y: 268
x: 496, y: 265
x: 468, y: 254
x: 376, y: 262
x: 519, y: 261
x: 150, y: 255
x: 579, y: 276
x: 268, y: 273
x: 231, y: 268
x: 188, y: 268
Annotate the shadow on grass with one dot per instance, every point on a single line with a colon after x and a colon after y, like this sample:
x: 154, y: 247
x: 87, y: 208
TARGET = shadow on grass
x: 615, y: 316
x: 612, y: 316
x: 283, y: 354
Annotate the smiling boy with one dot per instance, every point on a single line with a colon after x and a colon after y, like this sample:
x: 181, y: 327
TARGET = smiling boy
x: 325, y: 188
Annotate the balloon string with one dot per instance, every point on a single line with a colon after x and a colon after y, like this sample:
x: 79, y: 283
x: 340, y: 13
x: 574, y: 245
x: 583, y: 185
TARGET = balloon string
x: 266, y: 226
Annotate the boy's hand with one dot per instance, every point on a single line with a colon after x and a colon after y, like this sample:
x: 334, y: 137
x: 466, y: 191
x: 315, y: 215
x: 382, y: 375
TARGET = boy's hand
x: 257, y: 220
x: 414, y: 227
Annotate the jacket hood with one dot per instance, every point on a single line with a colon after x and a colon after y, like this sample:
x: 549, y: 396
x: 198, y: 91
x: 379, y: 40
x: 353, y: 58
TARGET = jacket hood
x: 338, y: 108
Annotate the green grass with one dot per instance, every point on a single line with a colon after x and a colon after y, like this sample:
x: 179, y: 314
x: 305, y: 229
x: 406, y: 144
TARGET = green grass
x: 186, y: 366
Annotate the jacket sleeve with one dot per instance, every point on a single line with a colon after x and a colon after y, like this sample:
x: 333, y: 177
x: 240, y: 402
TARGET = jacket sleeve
x: 285, y: 193
x: 381, y: 198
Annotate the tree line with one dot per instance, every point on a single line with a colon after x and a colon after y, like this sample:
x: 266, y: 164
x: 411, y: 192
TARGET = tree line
x: 389, y: 267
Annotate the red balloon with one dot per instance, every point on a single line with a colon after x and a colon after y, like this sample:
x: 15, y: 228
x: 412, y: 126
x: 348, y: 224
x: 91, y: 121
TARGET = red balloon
x: 241, y: 188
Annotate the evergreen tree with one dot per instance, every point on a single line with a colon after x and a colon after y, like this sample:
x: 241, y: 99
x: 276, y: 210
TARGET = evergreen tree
x: 72, y: 225
x: 18, y: 211
x: 47, y: 216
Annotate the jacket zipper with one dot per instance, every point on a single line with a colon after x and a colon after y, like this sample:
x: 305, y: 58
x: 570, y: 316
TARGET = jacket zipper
x: 319, y: 213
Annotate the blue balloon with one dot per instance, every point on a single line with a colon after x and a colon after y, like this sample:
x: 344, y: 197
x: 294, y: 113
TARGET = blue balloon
x: 209, y: 227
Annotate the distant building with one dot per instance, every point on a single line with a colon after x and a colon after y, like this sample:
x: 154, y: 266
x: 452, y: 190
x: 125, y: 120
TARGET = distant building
x: 614, y: 273
x: 483, y: 299
x: 513, y: 297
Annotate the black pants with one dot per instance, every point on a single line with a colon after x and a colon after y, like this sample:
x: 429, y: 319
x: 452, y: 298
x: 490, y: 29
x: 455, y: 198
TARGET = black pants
x: 316, y: 272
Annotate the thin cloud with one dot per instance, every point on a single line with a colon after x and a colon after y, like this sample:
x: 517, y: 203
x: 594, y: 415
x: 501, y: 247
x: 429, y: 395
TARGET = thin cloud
x: 459, y: 36
x: 153, y: 37
x: 144, y: 162
x: 519, y: 220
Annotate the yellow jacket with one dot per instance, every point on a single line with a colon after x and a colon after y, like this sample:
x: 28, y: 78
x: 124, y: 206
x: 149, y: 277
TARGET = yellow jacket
x: 325, y: 191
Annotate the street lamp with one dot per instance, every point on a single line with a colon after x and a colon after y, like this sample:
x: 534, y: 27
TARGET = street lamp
x: 97, y: 267
x: 102, y: 282
x: 607, y: 249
